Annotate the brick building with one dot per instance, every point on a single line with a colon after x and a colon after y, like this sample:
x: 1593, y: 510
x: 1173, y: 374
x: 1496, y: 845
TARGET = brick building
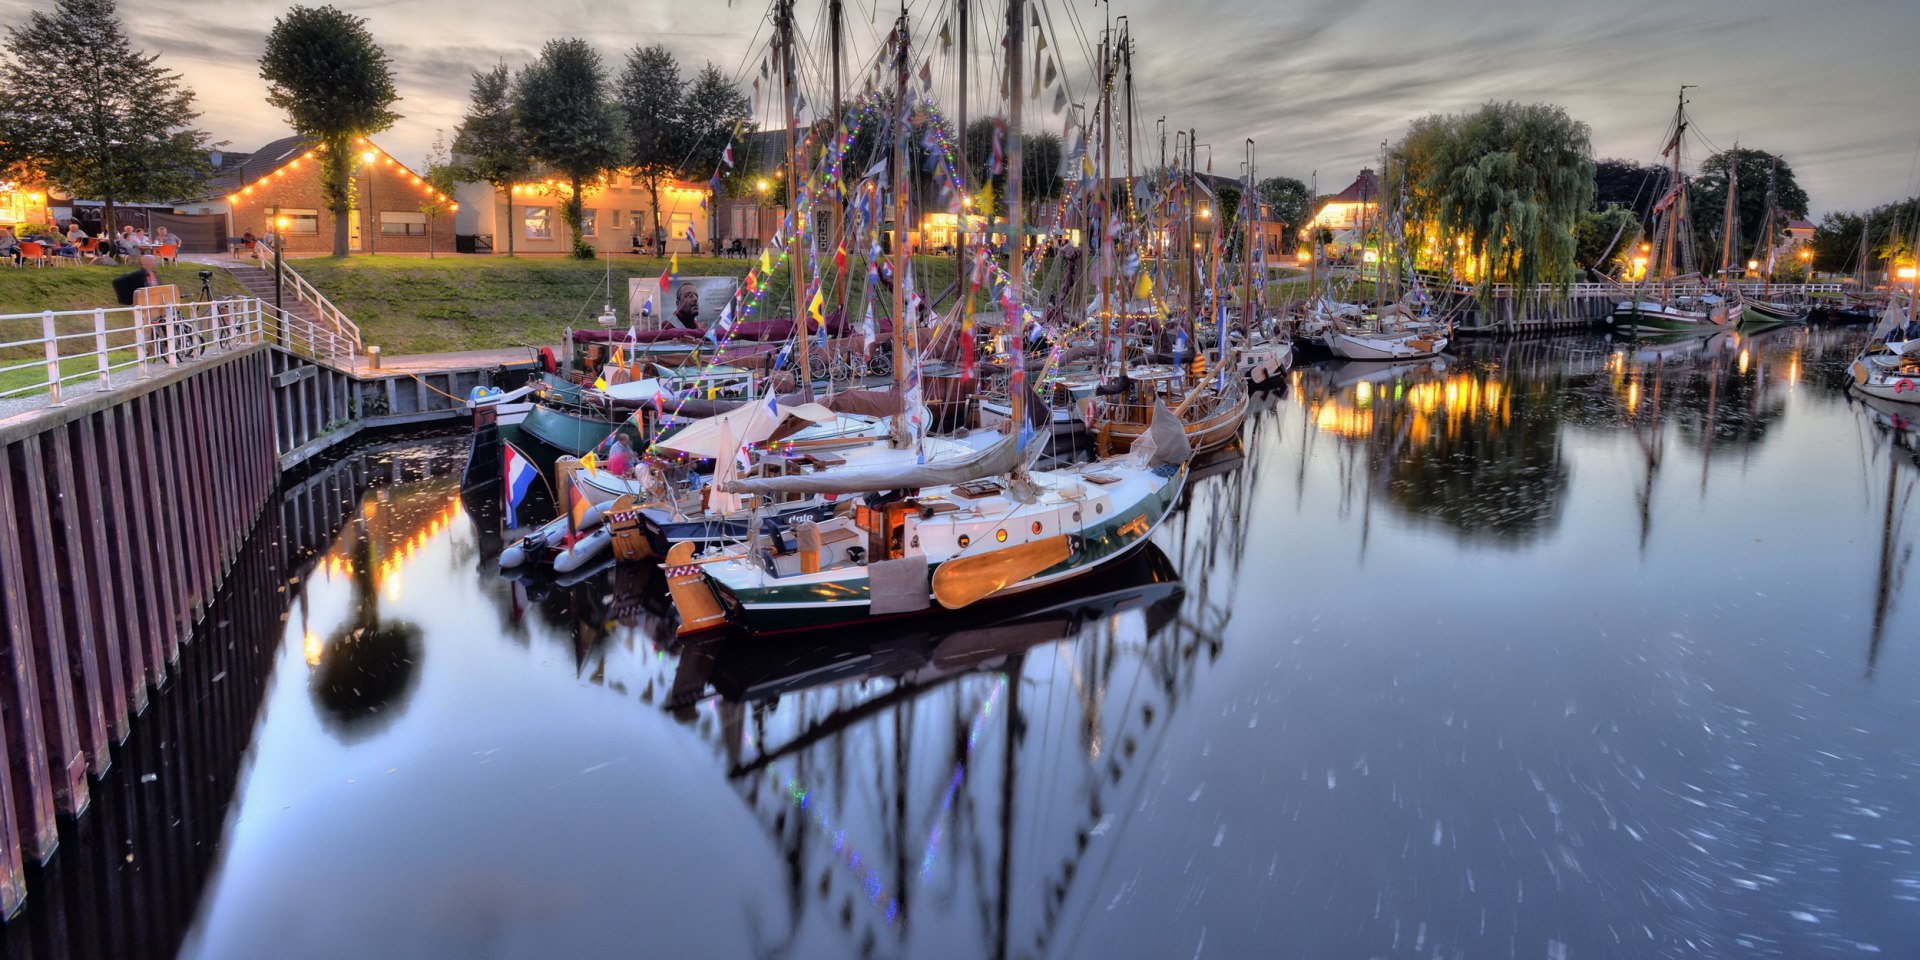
x: 281, y: 181
x: 616, y: 214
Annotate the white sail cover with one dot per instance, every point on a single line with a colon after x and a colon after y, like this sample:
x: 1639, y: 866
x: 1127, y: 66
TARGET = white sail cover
x: 719, y: 436
x: 994, y: 460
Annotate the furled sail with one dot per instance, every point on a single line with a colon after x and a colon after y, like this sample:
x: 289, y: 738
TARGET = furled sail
x: 994, y: 460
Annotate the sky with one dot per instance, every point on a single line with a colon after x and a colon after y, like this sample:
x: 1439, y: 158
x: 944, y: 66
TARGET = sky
x: 1318, y: 84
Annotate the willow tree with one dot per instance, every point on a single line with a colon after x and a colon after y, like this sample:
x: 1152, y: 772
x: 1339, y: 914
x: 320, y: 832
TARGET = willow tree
x: 1504, y: 186
x: 335, y: 84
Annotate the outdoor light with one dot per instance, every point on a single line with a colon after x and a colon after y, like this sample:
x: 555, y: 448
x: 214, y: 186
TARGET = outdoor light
x: 761, y: 185
x: 1753, y: 264
x: 369, y: 156
x: 1906, y: 273
x: 1206, y: 213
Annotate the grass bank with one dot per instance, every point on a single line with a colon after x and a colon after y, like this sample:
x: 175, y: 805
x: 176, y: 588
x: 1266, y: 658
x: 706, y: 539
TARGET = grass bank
x: 83, y: 287
x: 412, y: 305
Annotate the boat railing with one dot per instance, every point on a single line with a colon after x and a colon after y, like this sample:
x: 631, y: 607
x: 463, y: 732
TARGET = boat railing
x: 1591, y: 289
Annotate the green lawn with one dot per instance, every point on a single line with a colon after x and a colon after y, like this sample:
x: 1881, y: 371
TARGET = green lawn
x: 409, y: 305
x: 33, y: 289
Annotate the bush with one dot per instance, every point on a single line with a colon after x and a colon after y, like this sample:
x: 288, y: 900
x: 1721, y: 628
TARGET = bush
x: 583, y: 250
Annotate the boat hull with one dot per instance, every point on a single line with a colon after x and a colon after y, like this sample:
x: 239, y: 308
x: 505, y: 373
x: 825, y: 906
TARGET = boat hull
x: 1645, y: 318
x: 1348, y: 346
x: 1115, y: 437
x: 777, y: 608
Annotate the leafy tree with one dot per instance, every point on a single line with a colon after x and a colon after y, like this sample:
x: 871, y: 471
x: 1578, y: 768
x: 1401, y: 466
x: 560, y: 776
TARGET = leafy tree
x: 488, y: 145
x: 1288, y: 199
x: 440, y: 175
x: 560, y: 102
x: 711, y: 112
x: 1608, y: 234
x: 335, y: 84
x: 1625, y: 183
x: 109, y: 123
x: 1709, y: 199
x: 651, y: 92
x: 1512, y: 180
x: 1889, y: 232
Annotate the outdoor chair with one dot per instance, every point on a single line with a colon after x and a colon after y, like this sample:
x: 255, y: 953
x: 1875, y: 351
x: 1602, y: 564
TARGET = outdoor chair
x: 167, y: 253
x: 33, y: 251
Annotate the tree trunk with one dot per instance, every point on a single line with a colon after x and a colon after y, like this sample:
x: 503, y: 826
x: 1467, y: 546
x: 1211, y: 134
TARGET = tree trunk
x: 107, y: 220
x: 507, y: 192
x: 574, y: 207
x: 430, y: 219
x: 338, y: 169
x: 653, y: 195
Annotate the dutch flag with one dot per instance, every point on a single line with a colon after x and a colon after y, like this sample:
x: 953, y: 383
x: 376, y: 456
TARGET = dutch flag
x: 520, y: 476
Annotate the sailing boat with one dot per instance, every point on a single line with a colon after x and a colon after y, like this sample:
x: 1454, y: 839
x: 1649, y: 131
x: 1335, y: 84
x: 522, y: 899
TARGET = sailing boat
x: 1768, y: 309
x: 951, y: 532
x: 1669, y: 309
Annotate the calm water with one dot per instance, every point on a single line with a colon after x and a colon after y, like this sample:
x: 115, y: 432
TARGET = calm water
x: 1556, y: 649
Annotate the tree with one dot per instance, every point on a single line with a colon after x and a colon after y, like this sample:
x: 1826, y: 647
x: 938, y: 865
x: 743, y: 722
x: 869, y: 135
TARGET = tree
x: 1625, y: 183
x: 109, y: 123
x: 439, y: 175
x: 488, y: 146
x: 1603, y: 235
x: 335, y: 85
x: 1288, y: 199
x: 1887, y: 229
x: 712, y: 111
x: 560, y: 102
x: 1709, y: 200
x: 651, y: 91
x: 1510, y: 180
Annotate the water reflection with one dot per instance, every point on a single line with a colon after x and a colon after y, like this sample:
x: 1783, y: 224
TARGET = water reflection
x: 1551, y: 648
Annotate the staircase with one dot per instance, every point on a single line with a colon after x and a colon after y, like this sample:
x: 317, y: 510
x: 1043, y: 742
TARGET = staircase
x: 300, y: 300
x: 259, y: 283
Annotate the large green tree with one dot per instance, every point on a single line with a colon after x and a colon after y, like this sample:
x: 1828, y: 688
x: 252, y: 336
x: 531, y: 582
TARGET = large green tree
x: 1754, y: 169
x: 712, y: 111
x: 1888, y: 233
x: 1626, y: 183
x: 488, y: 146
x: 1505, y: 186
x: 335, y: 84
x: 1288, y: 199
x: 652, y: 94
x: 99, y: 118
x: 560, y: 104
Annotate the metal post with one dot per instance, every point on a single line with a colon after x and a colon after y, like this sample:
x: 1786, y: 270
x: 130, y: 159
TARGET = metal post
x: 48, y: 336
x: 279, y: 275
x: 100, y: 345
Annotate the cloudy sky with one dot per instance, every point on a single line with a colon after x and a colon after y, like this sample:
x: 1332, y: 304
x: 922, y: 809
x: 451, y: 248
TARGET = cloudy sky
x: 1318, y: 83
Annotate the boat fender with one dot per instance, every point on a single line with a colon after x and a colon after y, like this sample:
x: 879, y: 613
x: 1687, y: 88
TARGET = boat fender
x: 1903, y: 386
x: 547, y: 362
x: 479, y: 393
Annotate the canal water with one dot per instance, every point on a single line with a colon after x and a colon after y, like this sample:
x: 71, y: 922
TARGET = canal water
x: 1556, y: 648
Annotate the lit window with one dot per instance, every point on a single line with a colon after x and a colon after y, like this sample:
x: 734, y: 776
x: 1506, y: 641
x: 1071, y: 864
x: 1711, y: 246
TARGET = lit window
x: 399, y: 223
x: 539, y: 221
x: 682, y: 225
x: 589, y: 223
x: 305, y: 222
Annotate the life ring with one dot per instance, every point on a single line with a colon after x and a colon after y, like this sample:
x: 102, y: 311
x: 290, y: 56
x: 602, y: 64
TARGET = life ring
x: 1903, y: 386
x: 547, y: 362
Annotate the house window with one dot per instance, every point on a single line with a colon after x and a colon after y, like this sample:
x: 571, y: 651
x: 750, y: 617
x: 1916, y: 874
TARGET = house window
x: 539, y: 221
x: 394, y: 223
x: 682, y: 223
x: 637, y: 219
x: 589, y: 223
x: 738, y: 219
x: 301, y: 221
x: 753, y: 222
x: 616, y: 221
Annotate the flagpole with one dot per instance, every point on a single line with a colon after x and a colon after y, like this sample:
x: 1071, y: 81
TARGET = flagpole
x: 901, y: 358
x: 1016, y: 219
x: 963, y: 14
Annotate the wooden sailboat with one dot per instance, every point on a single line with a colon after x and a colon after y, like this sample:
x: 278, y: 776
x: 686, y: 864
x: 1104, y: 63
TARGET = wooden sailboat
x: 1767, y: 308
x: 954, y: 532
x: 1660, y: 305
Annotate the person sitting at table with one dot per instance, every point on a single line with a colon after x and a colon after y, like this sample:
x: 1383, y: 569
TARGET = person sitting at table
x: 9, y: 244
x: 140, y: 238
x: 161, y: 237
x: 75, y: 232
x: 123, y: 244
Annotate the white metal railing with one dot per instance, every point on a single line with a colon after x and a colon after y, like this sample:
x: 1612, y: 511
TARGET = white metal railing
x: 1584, y: 289
x: 49, y: 351
x: 311, y: 296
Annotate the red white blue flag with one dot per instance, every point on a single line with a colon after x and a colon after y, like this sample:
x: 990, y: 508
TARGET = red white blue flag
x: 520, y: 476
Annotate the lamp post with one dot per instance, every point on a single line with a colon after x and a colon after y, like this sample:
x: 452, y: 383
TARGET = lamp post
x: 759, y: 210
x: 279, y: 275
x: 367, y: 226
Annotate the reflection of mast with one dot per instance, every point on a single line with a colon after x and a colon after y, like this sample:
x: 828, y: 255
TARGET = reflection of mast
x: 1651, y: 443
x: 1893, y: 562
x: 1004, y: 886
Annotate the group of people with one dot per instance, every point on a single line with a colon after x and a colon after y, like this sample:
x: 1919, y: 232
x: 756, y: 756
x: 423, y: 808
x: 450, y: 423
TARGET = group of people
x: 131, y: 242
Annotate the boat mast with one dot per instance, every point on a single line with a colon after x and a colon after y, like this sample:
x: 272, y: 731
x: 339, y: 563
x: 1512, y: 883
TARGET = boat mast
x: 1252, y: 216
x: 1671, y: 215
x: 1191, y: 250
x: 1730, y: 221
x: 1313, y: 239
x: 1016, y: 216
x: 1106, y: 190
x: 902, y: 324
x: 963, y: 14
x: 796, y: 257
